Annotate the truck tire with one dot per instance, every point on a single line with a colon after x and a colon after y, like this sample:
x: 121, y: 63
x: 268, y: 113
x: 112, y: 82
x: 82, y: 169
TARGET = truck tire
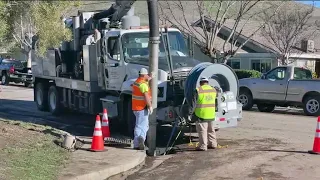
x: 245, y: 99
x: 27, y: 84
x: 41, y: 98
x: 5, y: 79
x: 266, y: 107
x: 311, y: 105
x: 54, y: 101
x: 130, y: 119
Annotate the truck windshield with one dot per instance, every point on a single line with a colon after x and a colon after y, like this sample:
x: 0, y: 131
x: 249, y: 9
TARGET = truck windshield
x: 135, y: 46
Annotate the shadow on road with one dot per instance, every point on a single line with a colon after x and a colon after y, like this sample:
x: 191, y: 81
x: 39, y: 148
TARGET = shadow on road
x: 296, y: 112
x: 285, y: 151
x: 26, y: 111
x: 75, y: 123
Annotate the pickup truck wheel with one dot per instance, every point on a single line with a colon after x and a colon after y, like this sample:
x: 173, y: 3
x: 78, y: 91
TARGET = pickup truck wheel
x: 245, y: 99
x: 130, y: 118
x: 27, y: 84
x: 4, y: 79
x: 54, y: 101
x: 312, y: 106
x: 41, y: 97
x: 266, y: 107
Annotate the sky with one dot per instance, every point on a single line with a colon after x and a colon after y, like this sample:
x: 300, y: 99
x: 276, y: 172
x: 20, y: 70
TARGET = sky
x: 316, y: 3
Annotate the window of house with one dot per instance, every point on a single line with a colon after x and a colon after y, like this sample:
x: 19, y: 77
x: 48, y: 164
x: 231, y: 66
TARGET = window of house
x: 234, y: 63
x: 300, y: 73
x: 277, y: 74
x: 113, y: 48
x: 261, y: 65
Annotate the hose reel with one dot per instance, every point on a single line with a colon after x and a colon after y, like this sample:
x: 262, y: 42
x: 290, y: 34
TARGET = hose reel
x: 219, y: 75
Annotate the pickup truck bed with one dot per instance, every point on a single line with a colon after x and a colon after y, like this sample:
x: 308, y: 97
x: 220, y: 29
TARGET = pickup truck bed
x: 282, y: 86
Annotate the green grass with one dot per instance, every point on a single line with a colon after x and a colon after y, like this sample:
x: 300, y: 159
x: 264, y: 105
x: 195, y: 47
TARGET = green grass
x: 35, y: 157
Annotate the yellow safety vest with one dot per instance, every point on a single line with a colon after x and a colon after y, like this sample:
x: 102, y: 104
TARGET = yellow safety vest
x: 205, y: 108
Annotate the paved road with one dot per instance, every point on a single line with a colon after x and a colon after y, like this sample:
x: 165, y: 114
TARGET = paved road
x: 268, y: 145
x: 16, y: 103
x: 265, y: 145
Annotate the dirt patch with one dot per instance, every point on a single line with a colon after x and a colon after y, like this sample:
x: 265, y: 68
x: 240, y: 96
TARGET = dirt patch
x: 26, y: 152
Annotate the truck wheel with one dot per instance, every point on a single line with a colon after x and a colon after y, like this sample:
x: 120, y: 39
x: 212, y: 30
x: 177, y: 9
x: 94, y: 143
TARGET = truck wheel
x: 54, y: 101
x: 312, y: 106
x: 41, y: 98
x: 130, y: 118
x: 27, y: 84
x: 266, y: 107
x: 245, y: 99
x: 5, y: 79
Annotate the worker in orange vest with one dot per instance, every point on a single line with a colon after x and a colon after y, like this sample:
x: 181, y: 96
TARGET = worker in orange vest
x: 141, y: 107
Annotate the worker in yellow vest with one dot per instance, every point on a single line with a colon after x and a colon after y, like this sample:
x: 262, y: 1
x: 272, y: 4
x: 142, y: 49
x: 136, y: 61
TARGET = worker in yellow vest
x: 203, y: 108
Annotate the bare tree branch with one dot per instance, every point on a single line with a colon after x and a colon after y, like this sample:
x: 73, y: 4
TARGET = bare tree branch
x: 287, y: 29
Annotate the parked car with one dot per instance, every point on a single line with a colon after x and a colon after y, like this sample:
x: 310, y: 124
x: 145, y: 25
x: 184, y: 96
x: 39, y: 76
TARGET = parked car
x: 15, y: 71
x: 282, y: 86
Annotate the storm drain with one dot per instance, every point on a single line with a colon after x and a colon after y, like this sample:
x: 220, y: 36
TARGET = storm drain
x: 123, y: 141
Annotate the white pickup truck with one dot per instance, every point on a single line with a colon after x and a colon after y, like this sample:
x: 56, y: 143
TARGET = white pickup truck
x: 282, y: 86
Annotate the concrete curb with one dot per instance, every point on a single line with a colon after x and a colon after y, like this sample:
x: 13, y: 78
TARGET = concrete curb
x: 111, y: 171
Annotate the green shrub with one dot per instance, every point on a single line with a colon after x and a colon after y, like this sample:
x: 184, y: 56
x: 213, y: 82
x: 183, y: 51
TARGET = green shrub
x: 245, y: 73
x: 314, y: 75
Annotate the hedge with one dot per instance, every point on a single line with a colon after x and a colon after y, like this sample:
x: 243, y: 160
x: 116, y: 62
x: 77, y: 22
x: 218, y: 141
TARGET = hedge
x: 244, y: 73
x: 314, y: 75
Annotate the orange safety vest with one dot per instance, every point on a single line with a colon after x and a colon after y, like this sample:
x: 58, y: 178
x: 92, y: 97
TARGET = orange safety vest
x: 138, y: 101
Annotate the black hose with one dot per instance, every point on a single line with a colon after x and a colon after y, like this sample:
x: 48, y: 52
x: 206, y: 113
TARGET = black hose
x: 191, y: 81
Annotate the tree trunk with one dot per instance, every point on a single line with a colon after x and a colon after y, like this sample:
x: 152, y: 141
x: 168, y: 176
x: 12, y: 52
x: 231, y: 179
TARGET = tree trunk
x: 29, y: 59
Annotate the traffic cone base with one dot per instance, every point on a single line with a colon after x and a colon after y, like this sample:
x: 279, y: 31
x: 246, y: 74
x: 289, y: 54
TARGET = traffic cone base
x: 97, y: 139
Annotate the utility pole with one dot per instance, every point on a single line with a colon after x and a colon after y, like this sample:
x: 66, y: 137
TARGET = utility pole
x: 153, y: 70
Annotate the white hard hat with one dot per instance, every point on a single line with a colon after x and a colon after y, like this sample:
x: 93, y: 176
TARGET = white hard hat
x: 204, y: 79
x: 143, y: 71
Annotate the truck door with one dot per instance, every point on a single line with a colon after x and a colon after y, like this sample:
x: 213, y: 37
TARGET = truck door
x: 272, y: 85
x: 115, y: 70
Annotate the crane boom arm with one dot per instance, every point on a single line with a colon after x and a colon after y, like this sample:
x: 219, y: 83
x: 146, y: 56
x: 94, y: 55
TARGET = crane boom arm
x: 116, y: 11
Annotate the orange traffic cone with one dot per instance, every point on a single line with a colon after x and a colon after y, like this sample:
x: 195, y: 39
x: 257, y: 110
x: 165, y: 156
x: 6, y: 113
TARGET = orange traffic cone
x: 316, y: 143
x: 97, y: 139
x: 105, y: 124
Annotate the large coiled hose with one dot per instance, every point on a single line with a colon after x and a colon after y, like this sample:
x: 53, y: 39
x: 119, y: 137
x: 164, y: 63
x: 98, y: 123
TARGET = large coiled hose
x: 191, y: 81
x: 220, y: 75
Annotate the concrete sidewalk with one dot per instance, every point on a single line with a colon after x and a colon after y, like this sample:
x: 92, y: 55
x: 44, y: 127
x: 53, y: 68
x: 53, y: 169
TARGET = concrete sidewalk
x: 87, y: 165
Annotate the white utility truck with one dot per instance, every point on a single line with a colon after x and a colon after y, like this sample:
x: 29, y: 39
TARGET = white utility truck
x: 96, y: 70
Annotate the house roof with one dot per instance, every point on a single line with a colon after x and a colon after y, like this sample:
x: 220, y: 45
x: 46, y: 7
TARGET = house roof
x: 258, y: 41
x: 183, y: 21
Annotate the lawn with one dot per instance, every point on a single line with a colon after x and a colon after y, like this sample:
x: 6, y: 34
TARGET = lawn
x: 28, y: 151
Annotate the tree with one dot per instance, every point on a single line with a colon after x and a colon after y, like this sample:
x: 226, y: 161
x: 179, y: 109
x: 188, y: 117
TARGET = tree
x: 48, y: 19
x: 3, y: 27
x: 27, y: 19
x: 288, y: 28
x: 221, y: 12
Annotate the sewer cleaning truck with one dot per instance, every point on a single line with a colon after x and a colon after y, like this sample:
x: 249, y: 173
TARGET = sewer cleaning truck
x: 97, y: 68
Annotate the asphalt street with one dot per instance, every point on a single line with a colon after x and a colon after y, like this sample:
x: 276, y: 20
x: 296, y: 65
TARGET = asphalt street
x: 16, y: 103
x: 264, y: 145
